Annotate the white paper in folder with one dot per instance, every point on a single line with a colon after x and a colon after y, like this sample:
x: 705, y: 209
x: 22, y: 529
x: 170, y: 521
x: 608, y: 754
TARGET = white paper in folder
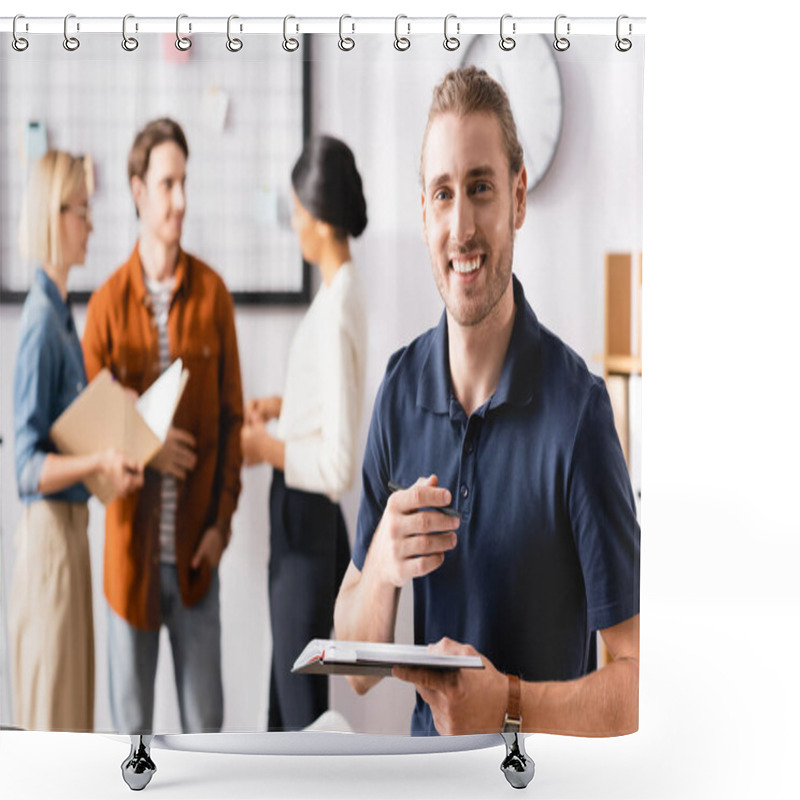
x: 105, y: 415
x: 157, y: 405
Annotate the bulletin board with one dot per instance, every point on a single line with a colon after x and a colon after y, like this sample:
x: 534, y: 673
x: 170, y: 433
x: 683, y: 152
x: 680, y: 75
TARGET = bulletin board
x: 245, y: 115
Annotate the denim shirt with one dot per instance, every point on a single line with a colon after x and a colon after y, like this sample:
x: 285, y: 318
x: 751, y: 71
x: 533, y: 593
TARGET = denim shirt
x: 48, y: 375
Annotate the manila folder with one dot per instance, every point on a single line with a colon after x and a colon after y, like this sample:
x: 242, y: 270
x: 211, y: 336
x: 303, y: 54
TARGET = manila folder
x: 105, y: 416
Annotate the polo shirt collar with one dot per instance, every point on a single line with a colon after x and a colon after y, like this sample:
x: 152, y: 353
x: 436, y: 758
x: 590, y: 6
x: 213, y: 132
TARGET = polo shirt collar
x: 433, y: 389
x: 136, y: 272
x: 51, y: 292
x: 520, y: 367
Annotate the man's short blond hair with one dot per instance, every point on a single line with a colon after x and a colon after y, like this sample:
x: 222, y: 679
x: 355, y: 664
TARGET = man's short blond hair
x: 56, y: 176
x: 471, y: 90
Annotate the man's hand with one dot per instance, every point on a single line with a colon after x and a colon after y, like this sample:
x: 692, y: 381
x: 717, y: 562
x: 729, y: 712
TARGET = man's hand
x: 408, y: 542
x: 210, y: 548
x: 122, y: 473
x: 260, y: 410
x: 464, y: 700
x: 177, y: 455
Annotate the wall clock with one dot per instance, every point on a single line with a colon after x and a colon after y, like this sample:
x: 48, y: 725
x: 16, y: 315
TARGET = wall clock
x: 529, y: 74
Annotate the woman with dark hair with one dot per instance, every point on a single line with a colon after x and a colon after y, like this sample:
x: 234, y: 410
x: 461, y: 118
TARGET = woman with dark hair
x: 314, y: 453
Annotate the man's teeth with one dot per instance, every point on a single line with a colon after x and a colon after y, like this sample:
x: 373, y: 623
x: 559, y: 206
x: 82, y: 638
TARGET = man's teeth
x: 465, y: 266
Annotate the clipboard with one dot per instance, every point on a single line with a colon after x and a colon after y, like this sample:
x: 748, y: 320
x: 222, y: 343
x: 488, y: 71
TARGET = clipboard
x: 331, y: 657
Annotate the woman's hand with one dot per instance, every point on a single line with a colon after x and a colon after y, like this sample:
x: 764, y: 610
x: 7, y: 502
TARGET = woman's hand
x: 260, y: 410
x: 253, y: 444
x: 122, y: 473
x: 258, y: 446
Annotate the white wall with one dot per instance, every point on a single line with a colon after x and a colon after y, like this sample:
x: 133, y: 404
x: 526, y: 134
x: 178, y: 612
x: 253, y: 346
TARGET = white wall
x: 588, y: 204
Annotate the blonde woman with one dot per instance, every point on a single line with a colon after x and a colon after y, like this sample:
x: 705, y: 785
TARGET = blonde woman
x: 50, y: 605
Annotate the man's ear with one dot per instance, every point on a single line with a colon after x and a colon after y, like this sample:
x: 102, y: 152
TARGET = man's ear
x: 424, y: 218
x: 520, y: 194
x: 137, y: 190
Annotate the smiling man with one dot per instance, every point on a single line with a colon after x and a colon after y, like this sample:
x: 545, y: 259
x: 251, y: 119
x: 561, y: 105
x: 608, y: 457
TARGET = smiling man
x: 494, y: 415
x: 163, y: 544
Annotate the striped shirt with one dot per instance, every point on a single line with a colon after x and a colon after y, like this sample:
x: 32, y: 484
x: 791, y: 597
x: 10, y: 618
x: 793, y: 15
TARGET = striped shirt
x: 160, y: 294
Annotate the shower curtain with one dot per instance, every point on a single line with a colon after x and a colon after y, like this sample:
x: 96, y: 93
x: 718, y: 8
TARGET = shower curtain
x: 545, y: 476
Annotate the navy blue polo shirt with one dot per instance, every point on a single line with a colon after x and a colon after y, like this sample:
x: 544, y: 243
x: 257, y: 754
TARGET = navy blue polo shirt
x: 548, y: 547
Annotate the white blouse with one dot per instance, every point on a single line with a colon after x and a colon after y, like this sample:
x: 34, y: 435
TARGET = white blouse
x: 321, y: 410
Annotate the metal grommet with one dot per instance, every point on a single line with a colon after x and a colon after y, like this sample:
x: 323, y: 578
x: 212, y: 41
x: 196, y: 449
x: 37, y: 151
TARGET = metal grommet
x: 401, y: 43
x: 290, y: 44
x: 506, y: 42
x: 70, y: 43
x: 183, y: 43
x: 623, y: 45
x: 19, y: 43
x: 345, y: 42
x: 129, y: 43
x: 561, y: 43
x: 451, y: 42
x: 233, y: 44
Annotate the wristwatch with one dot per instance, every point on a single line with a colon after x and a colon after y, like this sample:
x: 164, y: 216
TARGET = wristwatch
x: 513, y: 719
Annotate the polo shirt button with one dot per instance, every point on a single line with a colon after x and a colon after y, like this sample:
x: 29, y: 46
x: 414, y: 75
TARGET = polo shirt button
x: 464, y: 491
x: 469, y: 447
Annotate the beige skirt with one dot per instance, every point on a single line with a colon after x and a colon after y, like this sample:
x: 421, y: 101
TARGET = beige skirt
x: 51, y: 631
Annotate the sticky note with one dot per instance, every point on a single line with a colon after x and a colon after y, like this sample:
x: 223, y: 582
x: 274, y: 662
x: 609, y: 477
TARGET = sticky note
x: 35, y: 140
x: 170, y: 53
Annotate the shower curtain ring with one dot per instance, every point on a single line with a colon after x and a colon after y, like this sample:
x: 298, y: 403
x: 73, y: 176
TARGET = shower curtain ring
x: 507, y: 42
x: 345, y: 42
x: 289, y: 44
x: 183, y: 43
x: 71, y: 43
x: 451, y: 42
x: 19, y: 43
x: 561, y: 43
x: 401, y: 43
x: 233, y: 44
x: 129, y: 43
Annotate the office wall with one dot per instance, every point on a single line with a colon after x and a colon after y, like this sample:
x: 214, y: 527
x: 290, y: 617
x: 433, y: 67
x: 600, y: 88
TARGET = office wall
x: 588, y: 204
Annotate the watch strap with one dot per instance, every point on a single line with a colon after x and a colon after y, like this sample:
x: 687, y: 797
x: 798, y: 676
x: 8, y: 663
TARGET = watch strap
x: 513, y: 719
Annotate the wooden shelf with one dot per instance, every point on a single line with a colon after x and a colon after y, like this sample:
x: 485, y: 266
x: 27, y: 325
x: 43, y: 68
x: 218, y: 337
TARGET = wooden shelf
x: 620, y: 365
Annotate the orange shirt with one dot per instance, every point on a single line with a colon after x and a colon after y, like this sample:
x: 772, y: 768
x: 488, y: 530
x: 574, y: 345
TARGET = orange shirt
x: 121, y: 334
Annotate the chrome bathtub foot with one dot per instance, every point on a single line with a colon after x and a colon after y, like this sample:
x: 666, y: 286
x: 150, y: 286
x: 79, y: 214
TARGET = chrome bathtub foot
x: 517, y: 766
x: 138, y: 768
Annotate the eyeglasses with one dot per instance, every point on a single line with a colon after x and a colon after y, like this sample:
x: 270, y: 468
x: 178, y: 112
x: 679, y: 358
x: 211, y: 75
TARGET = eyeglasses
x: 84, y: 212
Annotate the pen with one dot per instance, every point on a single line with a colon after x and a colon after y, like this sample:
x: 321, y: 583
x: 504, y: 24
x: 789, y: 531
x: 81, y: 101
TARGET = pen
x: 451, y: 512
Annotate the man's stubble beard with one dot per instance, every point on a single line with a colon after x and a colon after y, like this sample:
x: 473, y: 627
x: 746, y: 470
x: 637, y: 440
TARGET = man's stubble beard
x: 496, y: 287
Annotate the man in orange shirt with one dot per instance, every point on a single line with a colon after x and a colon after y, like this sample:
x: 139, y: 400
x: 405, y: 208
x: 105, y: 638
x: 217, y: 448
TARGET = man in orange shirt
x: 164, y: 543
